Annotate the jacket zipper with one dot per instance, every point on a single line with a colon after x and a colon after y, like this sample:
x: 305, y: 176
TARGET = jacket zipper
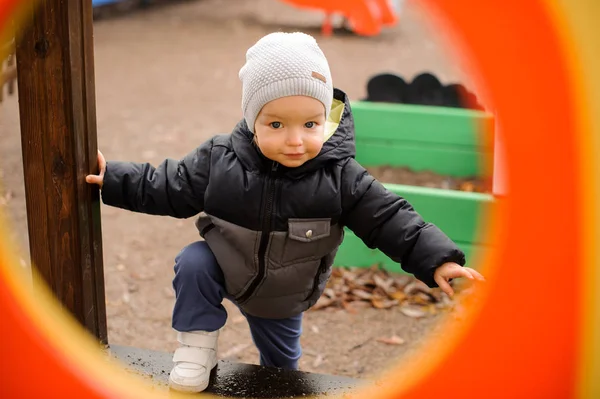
x: 264, y: 238
x: 322, y: 269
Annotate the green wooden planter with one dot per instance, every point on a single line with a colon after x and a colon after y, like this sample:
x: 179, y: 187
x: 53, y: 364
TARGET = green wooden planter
x: 448, y: 141
x: 443, y: 140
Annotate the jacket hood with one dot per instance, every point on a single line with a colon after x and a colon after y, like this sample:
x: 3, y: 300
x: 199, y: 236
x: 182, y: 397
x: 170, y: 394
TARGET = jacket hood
x: 340, y: 145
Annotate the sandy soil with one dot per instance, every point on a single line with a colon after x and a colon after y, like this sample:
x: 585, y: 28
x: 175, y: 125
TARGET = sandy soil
x: 166, y: 80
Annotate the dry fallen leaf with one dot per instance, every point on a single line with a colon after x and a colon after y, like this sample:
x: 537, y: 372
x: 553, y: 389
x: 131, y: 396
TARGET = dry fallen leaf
x: 398, y: 295
x: 393, y: 340
x: 318, y: 361
x: 413, y: 312
x: 384, y: 284
x: 380, y: 292
x: 362, y: 294
x: 348, y: 275
x: 353, y: 288
x: 402, y: 280
x: 416, y: 286
x: 421, y: 299
x: 323, y: 302
x: 467, y: 186
x: 383, y: 303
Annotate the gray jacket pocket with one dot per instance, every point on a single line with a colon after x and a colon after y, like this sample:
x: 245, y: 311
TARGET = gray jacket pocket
x: 308, y: 230
x: 307, y: 239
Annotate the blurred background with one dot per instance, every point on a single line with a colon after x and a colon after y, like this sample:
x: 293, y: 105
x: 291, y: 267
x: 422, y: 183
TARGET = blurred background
x: 167, y: 80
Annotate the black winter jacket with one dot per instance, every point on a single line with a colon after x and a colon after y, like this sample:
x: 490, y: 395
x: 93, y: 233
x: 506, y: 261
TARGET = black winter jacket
x: 275, y: 230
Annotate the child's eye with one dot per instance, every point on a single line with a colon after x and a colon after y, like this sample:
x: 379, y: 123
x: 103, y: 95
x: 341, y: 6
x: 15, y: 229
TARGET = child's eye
x: 310, y: 125
x: 275, y: 125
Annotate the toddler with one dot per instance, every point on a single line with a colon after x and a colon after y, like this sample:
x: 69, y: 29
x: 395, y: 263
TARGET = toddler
x: 274, y: 197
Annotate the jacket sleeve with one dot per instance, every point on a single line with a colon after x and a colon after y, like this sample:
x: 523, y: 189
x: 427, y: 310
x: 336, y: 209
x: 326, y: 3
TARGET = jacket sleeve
x: 174, y: 188
x: 386, y: 221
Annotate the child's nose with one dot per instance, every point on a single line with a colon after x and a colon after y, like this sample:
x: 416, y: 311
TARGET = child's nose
x: 294, y: 138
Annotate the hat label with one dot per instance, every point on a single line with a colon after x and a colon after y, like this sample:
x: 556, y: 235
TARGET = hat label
x: 319, y: 76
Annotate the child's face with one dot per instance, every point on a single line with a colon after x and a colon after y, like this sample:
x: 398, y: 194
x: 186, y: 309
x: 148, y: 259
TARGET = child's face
x: 290, y: 130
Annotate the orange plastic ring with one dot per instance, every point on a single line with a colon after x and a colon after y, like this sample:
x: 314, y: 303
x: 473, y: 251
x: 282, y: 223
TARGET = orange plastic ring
x: 533, y: 335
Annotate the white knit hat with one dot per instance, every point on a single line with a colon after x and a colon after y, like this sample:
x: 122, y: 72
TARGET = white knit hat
x: 280, y: 65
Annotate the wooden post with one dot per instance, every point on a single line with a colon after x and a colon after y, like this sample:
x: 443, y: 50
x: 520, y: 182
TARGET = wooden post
x: 58, y: 128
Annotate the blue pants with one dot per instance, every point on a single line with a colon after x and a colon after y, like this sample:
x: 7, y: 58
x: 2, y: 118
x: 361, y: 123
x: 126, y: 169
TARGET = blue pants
x: 199, y: 291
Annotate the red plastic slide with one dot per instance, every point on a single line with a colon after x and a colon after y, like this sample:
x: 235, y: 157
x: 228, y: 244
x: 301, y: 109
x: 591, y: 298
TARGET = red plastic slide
x: 366, y: 17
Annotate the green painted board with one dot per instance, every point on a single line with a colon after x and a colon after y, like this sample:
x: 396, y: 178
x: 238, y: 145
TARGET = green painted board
x: 354, y: 253
x: 444, y: 140
x: 455, y: 212
x: 458, y: 162
x: 437, y: 125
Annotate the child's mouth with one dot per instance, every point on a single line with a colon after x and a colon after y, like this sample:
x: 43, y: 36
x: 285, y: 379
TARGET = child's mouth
x: 294, y: 156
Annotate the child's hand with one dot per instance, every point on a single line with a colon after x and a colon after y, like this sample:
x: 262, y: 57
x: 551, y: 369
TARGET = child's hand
x: 451, y: 270
x: 98, y: 179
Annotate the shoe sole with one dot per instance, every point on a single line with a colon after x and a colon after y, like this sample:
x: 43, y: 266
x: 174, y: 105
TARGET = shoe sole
x: 187, y: 388
x: 190, y: 388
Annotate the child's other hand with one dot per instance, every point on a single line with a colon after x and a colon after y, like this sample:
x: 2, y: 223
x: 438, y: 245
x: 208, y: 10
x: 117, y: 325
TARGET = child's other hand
x: 452, y: 270
x: 98, y: 179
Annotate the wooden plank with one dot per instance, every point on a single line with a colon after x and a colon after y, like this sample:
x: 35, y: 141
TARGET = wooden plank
x: 237, y: 380
x: 58, y: 130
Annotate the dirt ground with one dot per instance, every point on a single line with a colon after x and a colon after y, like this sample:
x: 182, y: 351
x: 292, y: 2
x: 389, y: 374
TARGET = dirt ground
x: 426, y: 178
x: 166, y: 80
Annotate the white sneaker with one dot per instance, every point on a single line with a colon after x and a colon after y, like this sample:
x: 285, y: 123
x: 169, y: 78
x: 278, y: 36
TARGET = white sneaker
x: 194, y: 360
